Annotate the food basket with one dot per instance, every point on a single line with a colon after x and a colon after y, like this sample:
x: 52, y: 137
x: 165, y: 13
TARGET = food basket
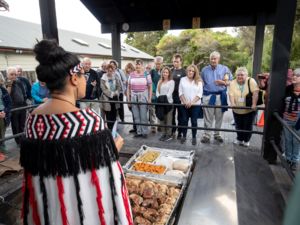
x: 155, y: 157
x: 153, y: 201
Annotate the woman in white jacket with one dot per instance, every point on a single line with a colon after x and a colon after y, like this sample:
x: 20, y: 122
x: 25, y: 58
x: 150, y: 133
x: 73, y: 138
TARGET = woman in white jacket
x: 190, y: 93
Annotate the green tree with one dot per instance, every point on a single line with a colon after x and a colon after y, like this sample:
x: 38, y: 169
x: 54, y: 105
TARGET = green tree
x: 196, y: 45
x: 145, y: 41
x: 295, y: 51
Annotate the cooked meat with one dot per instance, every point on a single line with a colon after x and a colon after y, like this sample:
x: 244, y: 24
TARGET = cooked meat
x: 162, y: 199
x: 136, y: 210
x: 173, y: 192
x: 147, y: 202
x: 170, y: 200
x: 151, y: 214
x: 162, y: 219
x: 141, y: 221
x: 136, y: 199
x: 165, y: 209
x: 162, y: 188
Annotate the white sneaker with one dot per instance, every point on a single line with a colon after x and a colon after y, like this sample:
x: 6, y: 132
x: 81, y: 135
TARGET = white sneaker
x: 237, y: 142
x: 246, y: 144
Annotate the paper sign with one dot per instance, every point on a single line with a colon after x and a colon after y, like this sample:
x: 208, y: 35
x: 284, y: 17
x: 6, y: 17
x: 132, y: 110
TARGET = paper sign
x: 196, y: 22
x: 166, y: 24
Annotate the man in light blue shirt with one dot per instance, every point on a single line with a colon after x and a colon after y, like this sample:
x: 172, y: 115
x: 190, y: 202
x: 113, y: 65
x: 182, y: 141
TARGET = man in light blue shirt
x: 216, y: 78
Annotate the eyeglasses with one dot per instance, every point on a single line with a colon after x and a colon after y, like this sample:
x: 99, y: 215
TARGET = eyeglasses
x: 296, y: 74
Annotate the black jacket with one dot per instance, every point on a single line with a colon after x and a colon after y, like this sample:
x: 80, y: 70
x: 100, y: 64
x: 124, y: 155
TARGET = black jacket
x: 7, y: 105
x: 161, y: 110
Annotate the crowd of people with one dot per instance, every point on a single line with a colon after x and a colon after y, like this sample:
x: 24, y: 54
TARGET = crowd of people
x: 188, y: 89
x: 68, y: 153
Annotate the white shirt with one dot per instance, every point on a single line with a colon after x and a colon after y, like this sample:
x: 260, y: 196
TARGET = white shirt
x: 190, y: 90
x: 166, y: 89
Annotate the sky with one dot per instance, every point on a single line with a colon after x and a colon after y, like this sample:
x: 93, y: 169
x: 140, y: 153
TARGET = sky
x: 68, y: 18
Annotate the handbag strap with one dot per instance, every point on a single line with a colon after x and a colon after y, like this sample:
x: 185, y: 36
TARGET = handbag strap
x: 249, y: 85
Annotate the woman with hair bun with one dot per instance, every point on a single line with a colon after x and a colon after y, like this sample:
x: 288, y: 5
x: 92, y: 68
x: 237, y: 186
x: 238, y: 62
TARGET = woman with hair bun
x: 71, y: 170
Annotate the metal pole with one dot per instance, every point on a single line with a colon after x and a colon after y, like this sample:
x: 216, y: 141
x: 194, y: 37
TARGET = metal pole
x: 116, y: 43
x: 283, y: 32
x: 48, y: 19
x: 258, y: 45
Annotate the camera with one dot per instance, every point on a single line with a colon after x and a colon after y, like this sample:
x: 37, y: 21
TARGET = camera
x: 261, y: 76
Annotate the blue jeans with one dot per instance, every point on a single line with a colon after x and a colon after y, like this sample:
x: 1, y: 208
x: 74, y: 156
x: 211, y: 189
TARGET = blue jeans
x: 292, y: 146
x: 192, y: 113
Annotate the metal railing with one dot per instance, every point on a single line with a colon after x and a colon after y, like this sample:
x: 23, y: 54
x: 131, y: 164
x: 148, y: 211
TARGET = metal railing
x: 149, y: 124
x: 277, y: 148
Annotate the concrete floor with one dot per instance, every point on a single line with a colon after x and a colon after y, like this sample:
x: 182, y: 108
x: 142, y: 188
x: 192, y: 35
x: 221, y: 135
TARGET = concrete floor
x: 259, y: 199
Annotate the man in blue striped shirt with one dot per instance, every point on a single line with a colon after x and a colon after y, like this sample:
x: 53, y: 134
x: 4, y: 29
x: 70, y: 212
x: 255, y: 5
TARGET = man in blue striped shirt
x: 216, y: 78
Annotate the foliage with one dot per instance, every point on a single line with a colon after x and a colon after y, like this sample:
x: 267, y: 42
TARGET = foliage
x: 196, y: 45
x: 145, y: 41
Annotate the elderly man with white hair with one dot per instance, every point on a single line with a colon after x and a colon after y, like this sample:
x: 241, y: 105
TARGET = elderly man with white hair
x: 91, y: 85
x: 216, y: 78
x: 17, y: 93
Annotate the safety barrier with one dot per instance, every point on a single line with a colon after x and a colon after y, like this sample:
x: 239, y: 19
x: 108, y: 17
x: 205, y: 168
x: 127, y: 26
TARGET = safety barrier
x: 148, y: 124
x: 277, y: 148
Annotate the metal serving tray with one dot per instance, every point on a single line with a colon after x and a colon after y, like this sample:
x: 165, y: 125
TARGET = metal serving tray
x: 174, y: 154
x: 172, y: 183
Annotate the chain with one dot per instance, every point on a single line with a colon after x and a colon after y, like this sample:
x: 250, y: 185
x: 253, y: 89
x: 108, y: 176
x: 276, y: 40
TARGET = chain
x: 11, y: 205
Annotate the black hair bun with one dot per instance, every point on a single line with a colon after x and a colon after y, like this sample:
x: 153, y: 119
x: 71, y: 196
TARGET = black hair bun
x: 48, y: 51
x: 54, y: 63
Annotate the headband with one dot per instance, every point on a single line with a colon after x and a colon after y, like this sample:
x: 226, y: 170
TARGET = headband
x: 77, y: 68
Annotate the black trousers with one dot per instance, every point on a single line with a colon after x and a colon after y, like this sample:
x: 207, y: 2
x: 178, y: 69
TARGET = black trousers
x: 244, y: 122
x: 111, y: 115
x: 121, y: 109
x: 18, y: 119
x: 179, y: 109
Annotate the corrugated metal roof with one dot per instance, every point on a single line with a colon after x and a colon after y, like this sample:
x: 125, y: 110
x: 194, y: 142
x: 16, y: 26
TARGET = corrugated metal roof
x: 22, y: 35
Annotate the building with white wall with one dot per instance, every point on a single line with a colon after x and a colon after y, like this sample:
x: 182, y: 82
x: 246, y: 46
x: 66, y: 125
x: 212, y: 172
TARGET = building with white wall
x: 17, y: 39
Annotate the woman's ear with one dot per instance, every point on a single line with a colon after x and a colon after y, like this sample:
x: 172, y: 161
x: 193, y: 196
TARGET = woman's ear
x: 74, y: 79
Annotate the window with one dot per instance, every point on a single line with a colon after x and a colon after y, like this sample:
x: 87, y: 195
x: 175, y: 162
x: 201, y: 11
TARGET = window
x: 104, y: 45
x: 135, y: 50
x: 80, y: 42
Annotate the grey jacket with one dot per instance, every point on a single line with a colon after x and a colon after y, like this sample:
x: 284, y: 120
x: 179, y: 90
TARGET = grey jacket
x: 107, y: 94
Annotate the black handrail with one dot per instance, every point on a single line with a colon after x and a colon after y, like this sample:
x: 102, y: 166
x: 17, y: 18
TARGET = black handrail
x: 169, y: 104
x: 23, y: 107
x: 283, y: 123
x: 187, y: 127
x: 283, y: 160
x: 158, y: 125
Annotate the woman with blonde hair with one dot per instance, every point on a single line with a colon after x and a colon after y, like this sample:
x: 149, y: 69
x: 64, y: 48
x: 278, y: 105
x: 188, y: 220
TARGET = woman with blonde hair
x: 164, y: 93
x: 243, y: 118
x: 190, y: 93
